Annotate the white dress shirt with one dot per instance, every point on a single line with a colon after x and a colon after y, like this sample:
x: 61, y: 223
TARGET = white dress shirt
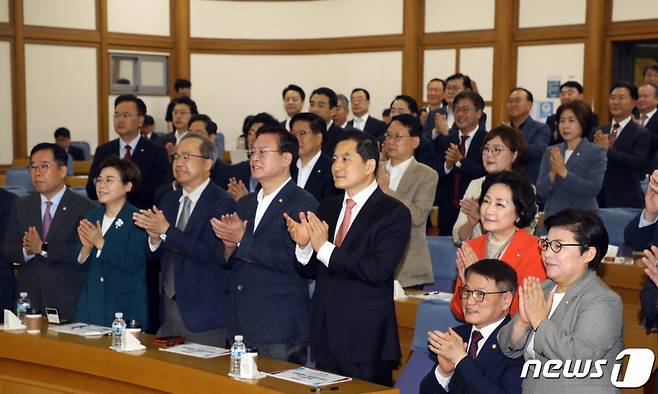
x: 132, y: 144
x: 265, y: 201
x: 305, y: 170
x: 360, y: 122
x: 179, y: 135
x: 57, y: 198
x: 288, y: 124
x: 649, y: 116
x: 324, y: 254
x: 467, y: 145
x: 622, y: 124
x: 396, y: 172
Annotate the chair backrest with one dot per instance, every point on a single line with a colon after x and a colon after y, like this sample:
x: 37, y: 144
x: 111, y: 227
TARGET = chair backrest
x: 19, y: 177
x: 86, y: 149
x: 419, y: 364
x: 17, y: 190
x: 444, y: 267
x: 79, y: 190
x: 615, y: 221
x: 431, y: 315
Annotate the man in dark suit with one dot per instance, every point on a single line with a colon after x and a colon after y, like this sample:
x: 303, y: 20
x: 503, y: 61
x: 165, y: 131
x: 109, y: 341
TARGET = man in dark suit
x: 63, y: 139
x: 460, y: 158
x: 360, y: 102
x: 151, y: 158
x: 537, y: 135
x: 352, y: 248
x: 646, y: 105
x: 42, y: 234
x: 293, y: 103
x: 468, y: 358
x: 148, y: 130
x: 312, y: 171
x: 569, y: 91
x: 193, y: 283
x: 436, y: 91
x: 7, y: 279
x: 628, y: 151
x: 183, y: 88
x: 268, y: 300
x: 323, y: 103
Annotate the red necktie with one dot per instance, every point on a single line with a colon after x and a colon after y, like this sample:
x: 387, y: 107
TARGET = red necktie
x: 613, y: 134
x: 345, y: 225
x: 473, y: 347
x: 458, y: 174
x: 127, y: 156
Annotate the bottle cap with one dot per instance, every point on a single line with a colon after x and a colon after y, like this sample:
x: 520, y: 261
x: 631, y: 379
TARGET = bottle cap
x: 23, y: 294
x: 238, y: 338
x: 118, y: 315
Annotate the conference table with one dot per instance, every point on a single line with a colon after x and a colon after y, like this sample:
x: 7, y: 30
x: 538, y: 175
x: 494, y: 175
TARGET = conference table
x: 50, y: 362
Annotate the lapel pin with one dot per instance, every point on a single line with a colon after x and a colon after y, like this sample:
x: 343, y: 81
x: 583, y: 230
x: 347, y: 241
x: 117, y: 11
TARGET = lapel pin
x: 319, y: 171
x: 281, y: 200
x: 141, y: 150
x: 63, y: 208
x: 518, y: 255
x: 493, y: 346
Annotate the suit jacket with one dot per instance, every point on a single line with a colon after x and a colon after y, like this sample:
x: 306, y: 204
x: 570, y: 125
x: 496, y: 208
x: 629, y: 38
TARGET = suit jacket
x: 116, y: 280
x: 354, y: 295
x: 374, y: 127
x: 153, y: 164
x: 268, y: 300
x: 321, y: 181
x: 416, y: 191
x: 429, y: 125
x: 537, y: 135
x: 220, y: 174
x: 156, y: 138
x: 50, y: 281
x: 626, y: 163
x: 556, y: 138
x: 330, y: 139
x: 76, y: 153
x: 522, y: 254
x: 242, y: 172
x: 586, y: 169
x: 587, y: 325
x: 491, y: 372
x: 196, y: 253
x: 7, y: 279
x: 652, y: 127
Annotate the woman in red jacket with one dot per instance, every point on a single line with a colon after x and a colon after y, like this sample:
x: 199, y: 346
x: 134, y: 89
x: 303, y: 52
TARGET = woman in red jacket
x: 508, y: 204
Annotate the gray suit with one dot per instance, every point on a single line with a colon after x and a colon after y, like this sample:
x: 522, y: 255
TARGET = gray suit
x: 586, y: 169
x: 587, y: 325
x: 53, y: 281
x: 416, y: 191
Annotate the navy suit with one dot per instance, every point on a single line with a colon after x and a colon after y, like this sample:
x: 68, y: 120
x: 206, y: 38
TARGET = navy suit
x: 330, y: 139
x: 375, y: 128
x: 652, y: 126
x: 321, y: 182
x: 268, y: 300
x: 537, y: 135
x: 7, y: 279
x: 196, y: 253
x: 242, y: 172
x: 220, y: 174
x: 491, y: 372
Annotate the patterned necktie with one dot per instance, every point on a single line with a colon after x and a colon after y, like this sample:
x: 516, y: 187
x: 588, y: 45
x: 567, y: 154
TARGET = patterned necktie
x: 473, y: 347
x: 47, y: 220
x: 345, y: 225
x: 169, y: 287
x: 127, y: 156
x: 613, y: 134
x: 458, y: 174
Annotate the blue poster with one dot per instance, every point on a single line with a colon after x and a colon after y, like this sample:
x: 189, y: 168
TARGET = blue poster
x: 545, y: 109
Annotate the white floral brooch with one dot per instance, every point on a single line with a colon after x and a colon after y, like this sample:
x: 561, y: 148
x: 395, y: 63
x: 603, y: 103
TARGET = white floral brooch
x: 118, y: 223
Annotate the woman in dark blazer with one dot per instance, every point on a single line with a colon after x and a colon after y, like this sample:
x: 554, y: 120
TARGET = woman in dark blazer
x: 112, y: 250
x: 571, y: 172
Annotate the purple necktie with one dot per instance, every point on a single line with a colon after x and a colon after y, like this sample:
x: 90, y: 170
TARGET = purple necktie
x: 47, y: 220
x: 473, y: 347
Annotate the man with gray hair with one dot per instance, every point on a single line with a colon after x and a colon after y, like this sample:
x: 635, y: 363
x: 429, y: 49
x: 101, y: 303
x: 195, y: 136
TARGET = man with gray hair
x: 193, y: 284
x: 342, y: 112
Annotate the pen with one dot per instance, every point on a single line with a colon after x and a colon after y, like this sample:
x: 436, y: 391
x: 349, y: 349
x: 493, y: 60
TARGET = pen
x: 318, y: 389
x: 431, y: 293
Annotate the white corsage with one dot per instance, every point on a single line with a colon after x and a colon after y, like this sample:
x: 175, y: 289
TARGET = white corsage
x: 118, y: 223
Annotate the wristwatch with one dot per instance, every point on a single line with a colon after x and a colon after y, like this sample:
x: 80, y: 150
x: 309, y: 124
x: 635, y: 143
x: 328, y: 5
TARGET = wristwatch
x: 44, y: 250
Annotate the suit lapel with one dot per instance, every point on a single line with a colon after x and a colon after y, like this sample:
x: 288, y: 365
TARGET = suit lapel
x: 409, y: 177
x: 276, y: 208
x: 34, y: 215
x: 516, y: 249
x: 199, y: 211
x: 362, y: 220
x: 61, y: 215
x: 575, y: 156
x: 627, y: 135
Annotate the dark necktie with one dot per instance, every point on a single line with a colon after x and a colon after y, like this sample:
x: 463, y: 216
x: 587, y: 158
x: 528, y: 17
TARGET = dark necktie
x: 169, y: 287
x: 457, y: 177
x: 127, y: 156
x: 473, y: 347
x: 613, y: 134
x: 47, y: 220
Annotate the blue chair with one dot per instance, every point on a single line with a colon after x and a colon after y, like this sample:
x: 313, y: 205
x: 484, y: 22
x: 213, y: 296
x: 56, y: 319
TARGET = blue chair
x: 444, y: 267
x: 615, y: 221
x: 19, y: 177
x: 219, y: 144
x: 86, y: 149
x: 17, y: 190
x: 79, y: 190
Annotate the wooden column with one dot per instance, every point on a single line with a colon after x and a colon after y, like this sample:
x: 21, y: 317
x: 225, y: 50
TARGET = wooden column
x: 593, y: 81
x: 412, y: 30
x: 103, y: 59
x: 503, y: 58
x: 181, y: 34
x: 19, y: 99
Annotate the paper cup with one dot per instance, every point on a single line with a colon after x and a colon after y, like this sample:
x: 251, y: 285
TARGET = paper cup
x: 33, y: 323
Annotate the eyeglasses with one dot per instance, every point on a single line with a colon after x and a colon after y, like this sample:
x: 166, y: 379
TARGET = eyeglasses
x: 185, y: 156
x: 180, y: 112
x: 122, y: 115
x: 494, y: 150
x: 43, y: 166
x: 555, y: 245
x: 261, y: 151
x: 463, y: 110
x: 478, y: 295
x: 396, y: 137
x: 104, y: 181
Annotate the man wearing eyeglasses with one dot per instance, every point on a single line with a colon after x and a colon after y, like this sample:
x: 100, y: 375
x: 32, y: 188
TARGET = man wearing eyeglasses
x: 42, y: 233
x: 468, y: 357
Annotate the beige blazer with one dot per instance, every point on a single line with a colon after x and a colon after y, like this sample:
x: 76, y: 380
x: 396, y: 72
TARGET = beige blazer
x: 416, y: 190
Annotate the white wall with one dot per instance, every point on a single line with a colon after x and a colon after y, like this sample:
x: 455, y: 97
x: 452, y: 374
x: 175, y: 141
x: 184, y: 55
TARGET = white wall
x: 628, y: 10
x: 294, y: 19
x: 74, y: 14
x: 461, y: 15
x: 138, y: 17
x: 533, y: 13
x: 477, y: 63
x: 61, y: 90
x: 438, y: 63
x: 156, y: 106
x: 230, y: 87
x: 4, y: 11
x: 6, y: 120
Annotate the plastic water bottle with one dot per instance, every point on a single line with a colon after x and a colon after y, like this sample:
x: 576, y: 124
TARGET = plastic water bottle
x: 23, y: 306
x: 237, y: 350
x: 118, y: 327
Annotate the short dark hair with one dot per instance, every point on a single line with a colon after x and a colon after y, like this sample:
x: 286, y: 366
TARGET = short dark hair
x: 652, y: 66
x: 324, y: 91
x: 411, y: 122
x: 182, y: 84
x: 246, y: 124
x: 475, y: 97
x: 581, y: 111
x: 141, y: 107
x: 211, y: 127
x: 528, y: 93
x: 287, y: 142
x: 262, y: 117
x: 443, y: 83
x: 467, y: 80
x: 386, y: 112
x: 588, y: 230
x: 187, y: 101
x: 366, y: 146
x: 655, y: 88
x: 62, y: 132
x: 573, y: 84
x: 316, y: 123
x: 127, y: 169
x: 361, y: 90
x: 498, y: 271
x: 632, y: 89
x: 294, y: 88
x: 514, y: 141
x: 60, y: 155
x: 411, y: 103
x: 523, y: 194
x: 148, y: 120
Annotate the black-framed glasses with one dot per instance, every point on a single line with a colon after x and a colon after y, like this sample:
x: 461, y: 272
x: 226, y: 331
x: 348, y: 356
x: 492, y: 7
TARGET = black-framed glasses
x: 43, y: 166
x: 555, y: 245
x: 478, y: 295
x: 185, y: 156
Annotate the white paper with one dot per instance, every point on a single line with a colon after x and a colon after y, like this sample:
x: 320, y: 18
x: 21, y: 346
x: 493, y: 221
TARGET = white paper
x: 82, y: 329
x: 612, y: 251
x: 12, y: 322
x: 434, y: 295
x: 310, y: 377
x: 398, y: 291
x: 196, y: 350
